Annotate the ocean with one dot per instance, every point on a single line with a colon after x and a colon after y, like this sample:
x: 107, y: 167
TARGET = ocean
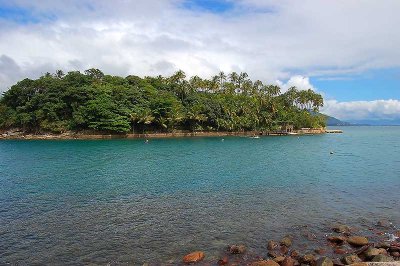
x: 75, y: 202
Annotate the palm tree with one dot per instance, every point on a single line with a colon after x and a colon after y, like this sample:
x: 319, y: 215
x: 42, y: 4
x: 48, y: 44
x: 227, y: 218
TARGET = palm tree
x: 141, y: 116
x: 222, y: 79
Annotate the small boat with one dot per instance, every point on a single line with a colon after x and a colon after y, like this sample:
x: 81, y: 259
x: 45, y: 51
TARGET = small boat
x: 254, y: 137
x: 292, y: 133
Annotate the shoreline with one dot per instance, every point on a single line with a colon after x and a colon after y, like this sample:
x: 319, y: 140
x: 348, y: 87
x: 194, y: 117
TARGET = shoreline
x: 342, y: 245
x: 17, y: 135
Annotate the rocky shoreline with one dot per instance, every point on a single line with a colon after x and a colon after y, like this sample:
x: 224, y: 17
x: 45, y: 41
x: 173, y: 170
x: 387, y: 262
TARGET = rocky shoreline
x: 16, y: 134
x: 342, y: 246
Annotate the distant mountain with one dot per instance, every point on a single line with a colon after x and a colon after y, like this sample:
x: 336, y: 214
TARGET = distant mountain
x: 376, y: 122
x: 332, y: 121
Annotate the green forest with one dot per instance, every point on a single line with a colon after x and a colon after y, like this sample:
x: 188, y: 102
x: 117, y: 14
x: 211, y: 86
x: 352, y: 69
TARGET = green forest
x: 77, y: 101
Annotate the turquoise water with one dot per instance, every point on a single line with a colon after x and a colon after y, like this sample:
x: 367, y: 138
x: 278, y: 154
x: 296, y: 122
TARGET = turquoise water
x: 124, y: 201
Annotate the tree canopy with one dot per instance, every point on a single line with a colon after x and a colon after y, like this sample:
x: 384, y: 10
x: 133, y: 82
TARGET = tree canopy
x: 94, y: 101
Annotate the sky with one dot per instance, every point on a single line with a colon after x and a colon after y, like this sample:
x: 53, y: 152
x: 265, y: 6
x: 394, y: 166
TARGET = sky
x: 346, y: 50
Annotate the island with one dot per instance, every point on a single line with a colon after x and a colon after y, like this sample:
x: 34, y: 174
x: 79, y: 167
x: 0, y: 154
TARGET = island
x: 95, y: 104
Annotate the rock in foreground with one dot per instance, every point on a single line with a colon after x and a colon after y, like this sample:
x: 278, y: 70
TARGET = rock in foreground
x: 357, y: 240
x: 324, y: 261
x: 265, y: 263
x: 194, y: 257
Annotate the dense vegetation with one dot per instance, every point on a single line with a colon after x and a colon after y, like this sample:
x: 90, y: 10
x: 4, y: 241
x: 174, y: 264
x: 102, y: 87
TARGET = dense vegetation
x: 95, y: 101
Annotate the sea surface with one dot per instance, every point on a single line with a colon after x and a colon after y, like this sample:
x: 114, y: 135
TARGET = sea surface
x: 76, y: 202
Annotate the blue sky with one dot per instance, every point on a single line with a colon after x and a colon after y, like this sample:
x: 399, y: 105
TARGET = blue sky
x: 369, y: 85
x: 331, y: 47
x: 213, y: 6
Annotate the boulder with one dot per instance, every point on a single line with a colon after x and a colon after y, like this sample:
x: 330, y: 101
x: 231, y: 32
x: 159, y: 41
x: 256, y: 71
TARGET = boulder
x: 337, y: 239
x: 371, y: 252
x: 294, y: 254
x: 340, y: 251
x: 240, y: 249
x: 284, y: 250
x: 382, y: 258
x: 383, y: 245
x: 395, y: 254
x: 273, y: 254
x: 286, y: 241
x: 337, y: 262
x: 324, y: 261
x: 320, y: 251
x: 384, y: 223
x: 308, y: 258
x: 357, y: 240
x: 223, y: 261
x: 382, y: 251
x: 360, y: 264
x: 288, y: 261
x: 350, y: 259
x: 341, y: 228
x: 272, y: 245
x: 194, y: 257
x: 279, y: 259
x: 393, y: 248
x: 264, y: 263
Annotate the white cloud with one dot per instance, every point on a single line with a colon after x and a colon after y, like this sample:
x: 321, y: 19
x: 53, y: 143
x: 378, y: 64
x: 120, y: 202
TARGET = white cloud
x: 300, y: 82
x: 268, y: 39
x: 359, y: 110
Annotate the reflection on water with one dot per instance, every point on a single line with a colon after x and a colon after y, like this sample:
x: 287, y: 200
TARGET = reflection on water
x: 78, y: 202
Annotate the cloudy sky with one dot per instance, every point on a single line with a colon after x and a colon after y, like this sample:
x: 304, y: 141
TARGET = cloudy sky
x: 346, y: 50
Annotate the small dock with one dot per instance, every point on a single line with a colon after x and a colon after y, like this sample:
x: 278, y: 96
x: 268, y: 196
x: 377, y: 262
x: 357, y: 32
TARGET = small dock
x: 334, y: 131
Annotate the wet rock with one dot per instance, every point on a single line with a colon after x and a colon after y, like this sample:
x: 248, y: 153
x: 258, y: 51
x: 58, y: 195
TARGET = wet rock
x: 223, y: 261
x: 284, y: 250
x: 350, y: 259
x: 337, y: 239
x: 340, y: 251
x: 370, y: 252
x: 360, y: 264
x: 382, y: 258
x: 310, y: 236
x: 357, y: 240
x: 382, y: 251
x: 395, y: 254
x: 194, y: 257
x: 308, y: 258
x: 361, y: 250
x: 265, y: 263
x: 337, y: 262
x: 341, y: 228
x: 393, y: 248
x: 273, y: 254
x: 279, y: 259
x: 294, y: 254
x: 288, y: 261
x: 384, y: 223
x: 240, y: 249
x: 272, y: 245
x: 320, y: 251
x: 383, y: 245
x: 286, y: 241
x: 324, y: 261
